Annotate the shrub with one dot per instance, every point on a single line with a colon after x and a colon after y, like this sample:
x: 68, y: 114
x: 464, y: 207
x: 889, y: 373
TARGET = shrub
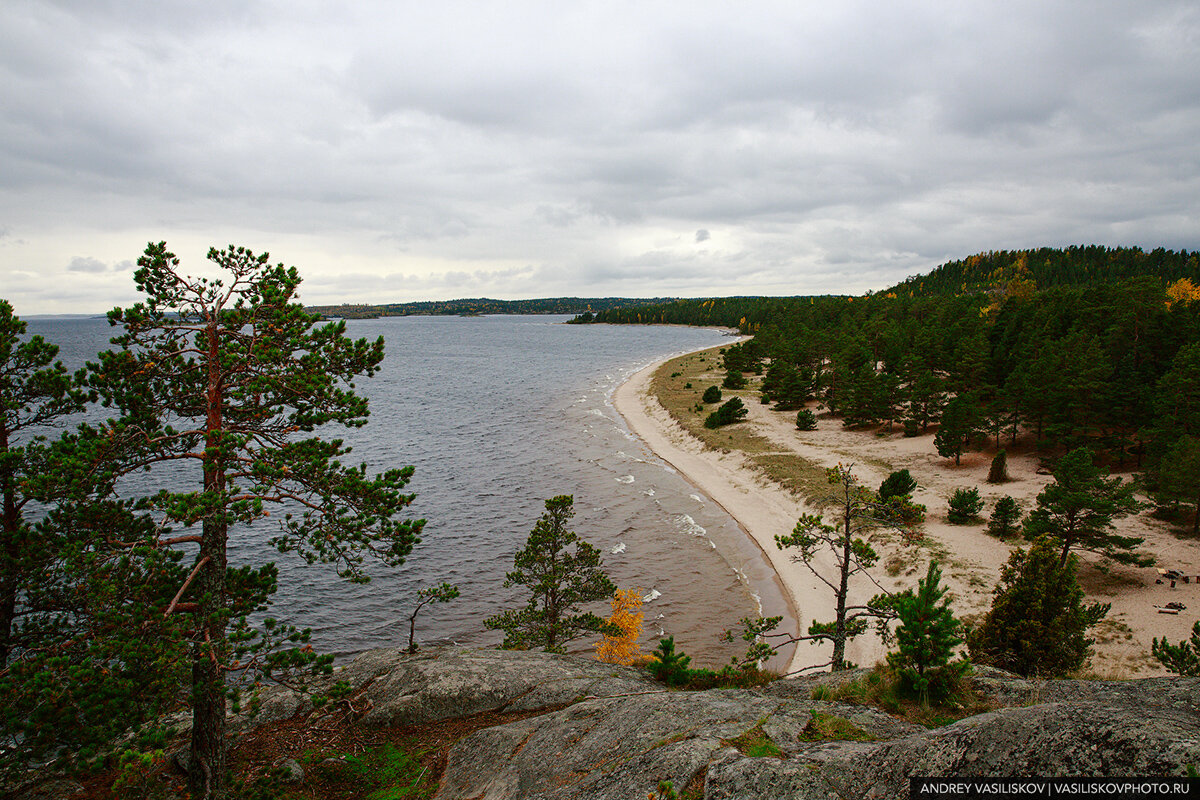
x: 712, y: 394
x: 1038, y: 623
x: 965, y: 505
x: 1006, y: 515
x: 899, y: 484
x: 734, y: 380
x: 730, y: 412
x: 999, y: 471
x: 806, y: 420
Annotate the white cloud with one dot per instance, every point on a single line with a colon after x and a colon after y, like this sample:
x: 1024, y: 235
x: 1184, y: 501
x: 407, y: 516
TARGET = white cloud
x: 832, y: 146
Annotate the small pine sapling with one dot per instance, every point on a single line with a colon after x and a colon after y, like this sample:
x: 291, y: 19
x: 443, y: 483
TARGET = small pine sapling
x: 1005, y: 519
x: 668, y: 666
x: 442, y: 593
x: 926, y: 639
x: 712, y: 394
x: 806, y: 420
x: 965, y: 505
x: 1038, y: 623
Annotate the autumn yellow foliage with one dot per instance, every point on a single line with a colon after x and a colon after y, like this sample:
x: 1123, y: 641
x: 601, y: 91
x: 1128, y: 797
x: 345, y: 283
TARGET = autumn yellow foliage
x: 626, y: 615
x: 1182, y: 291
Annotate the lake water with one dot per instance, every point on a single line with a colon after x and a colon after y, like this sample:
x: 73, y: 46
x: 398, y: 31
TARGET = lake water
x: 497, y: 414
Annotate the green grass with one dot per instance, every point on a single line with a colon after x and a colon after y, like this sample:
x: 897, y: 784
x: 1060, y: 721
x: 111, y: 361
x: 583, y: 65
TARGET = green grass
x: 387, y: 773
x: 679, y: 385
x: 879, y: 689
x: 755, y: 743
x: 823, y: 727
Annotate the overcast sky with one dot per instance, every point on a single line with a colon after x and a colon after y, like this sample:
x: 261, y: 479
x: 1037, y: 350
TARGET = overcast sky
x: 399, y: 151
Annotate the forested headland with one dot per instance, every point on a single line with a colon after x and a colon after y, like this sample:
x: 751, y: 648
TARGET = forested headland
x: 480, y: 305
x: 1084, y: 346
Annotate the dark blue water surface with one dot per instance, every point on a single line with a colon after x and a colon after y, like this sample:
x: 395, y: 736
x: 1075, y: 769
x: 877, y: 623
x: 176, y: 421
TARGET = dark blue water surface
x: 497, y: 414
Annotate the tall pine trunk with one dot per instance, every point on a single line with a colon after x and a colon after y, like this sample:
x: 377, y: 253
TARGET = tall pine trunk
x: 9, y: 526
x: 206, y: 768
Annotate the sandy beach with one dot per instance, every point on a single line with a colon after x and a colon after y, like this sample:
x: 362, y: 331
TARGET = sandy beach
x: 971, y: 559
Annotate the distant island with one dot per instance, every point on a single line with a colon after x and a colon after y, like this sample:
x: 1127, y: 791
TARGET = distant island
x: 473, y: 307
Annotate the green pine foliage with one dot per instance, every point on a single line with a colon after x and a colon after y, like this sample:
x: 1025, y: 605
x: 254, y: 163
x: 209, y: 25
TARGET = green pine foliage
x: 729, y: 412
x: 1078, y: 508
x: 35, y: 392
x: 960, y: 422
x: 712, y: 394
x: 1178, y: 477
x: 965, y: 505
x: 1073, y: 346
x: 669, y: 666
x: 734, y: 379
x: 231, y: 375
x: 1182, y: 658
x: 559, y: 580
x: 806, y: 420
x: 1006, y: 514
x: 1038, y: 623
x: 900, y: 483
x: 926, y: 639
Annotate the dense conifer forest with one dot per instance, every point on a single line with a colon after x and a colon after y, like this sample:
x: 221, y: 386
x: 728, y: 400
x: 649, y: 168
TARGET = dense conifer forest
x: 1085, y: 346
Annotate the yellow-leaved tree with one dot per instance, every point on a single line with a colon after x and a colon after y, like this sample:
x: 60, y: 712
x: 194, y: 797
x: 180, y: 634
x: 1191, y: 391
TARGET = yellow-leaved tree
x: 626, y: 615
x: 1182, y: 291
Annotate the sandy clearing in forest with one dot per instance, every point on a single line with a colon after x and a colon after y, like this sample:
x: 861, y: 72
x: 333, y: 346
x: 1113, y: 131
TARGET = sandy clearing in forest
x: 971, y: 559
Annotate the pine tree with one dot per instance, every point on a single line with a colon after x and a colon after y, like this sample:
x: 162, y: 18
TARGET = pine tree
x: 559, y: 580
x: 1179, y: 476
x: 729, y: 412
x: 35, y: 392
x: 1005, y: 516
x: 900, y: 483
x: 1078, y: 508
x: 926, y: 639
x: 958, y: 425
x: 965, y: 505
x: 1037, y: 625
x: 442, y: 593
x: 860, y: 511
x: 227, y: 374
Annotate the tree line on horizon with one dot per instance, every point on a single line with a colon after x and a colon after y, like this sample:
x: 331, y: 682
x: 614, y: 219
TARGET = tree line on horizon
x: 478, y: 306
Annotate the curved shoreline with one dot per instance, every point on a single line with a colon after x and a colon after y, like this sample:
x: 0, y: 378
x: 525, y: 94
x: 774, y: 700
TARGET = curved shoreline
x: 761, y: 509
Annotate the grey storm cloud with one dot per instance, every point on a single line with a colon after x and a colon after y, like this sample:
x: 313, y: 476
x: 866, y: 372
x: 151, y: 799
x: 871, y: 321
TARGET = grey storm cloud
x: 591, y: 148
x: 80, y: 264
